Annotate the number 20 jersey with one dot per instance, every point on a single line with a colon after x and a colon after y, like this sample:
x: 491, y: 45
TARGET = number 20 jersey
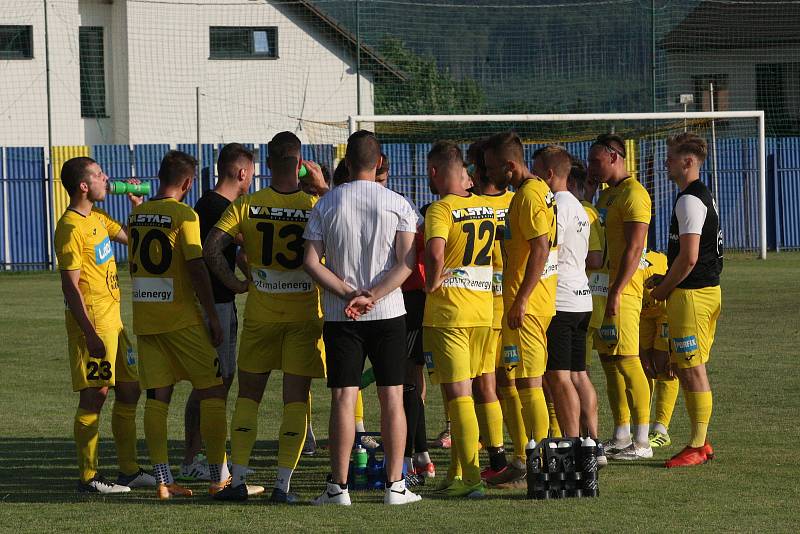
x: 467, y: 224
x: 164, y: 235
x: 272, y: 225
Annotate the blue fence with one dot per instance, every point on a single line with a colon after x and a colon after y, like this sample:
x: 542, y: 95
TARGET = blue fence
x: 26, y: 229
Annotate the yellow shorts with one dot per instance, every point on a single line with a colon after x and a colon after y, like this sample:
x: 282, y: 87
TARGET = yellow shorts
x: 492, y: 355
x: 653, y: 334
x: 619, y: 335
x: 454, y: 354
x: 294, y: 348
x: 692, y: 316
x: 525, y: 349
x: 119, y: 365
x: 184, y: 354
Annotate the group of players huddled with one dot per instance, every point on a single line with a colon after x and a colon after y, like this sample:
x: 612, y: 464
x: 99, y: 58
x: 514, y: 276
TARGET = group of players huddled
x: 506, y: 296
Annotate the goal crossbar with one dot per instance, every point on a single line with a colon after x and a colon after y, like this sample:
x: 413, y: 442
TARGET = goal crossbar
x: 353, y: 121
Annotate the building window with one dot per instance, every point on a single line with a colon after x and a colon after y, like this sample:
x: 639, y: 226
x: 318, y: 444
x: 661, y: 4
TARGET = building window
x: 93, y: 72
x: 702, y: 92
x: 16, y: 42
x: 227, y: 42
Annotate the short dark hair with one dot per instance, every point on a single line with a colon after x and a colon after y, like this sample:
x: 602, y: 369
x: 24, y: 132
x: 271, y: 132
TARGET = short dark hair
x: 577, y: 174
x: 612, y: 143
x: 363, y: 151
x: 231, y: 158
x: 556, y: 158
x: 445, y: 154
x: 687, y: 143
x: 506, y: 145
x: 74, y: 171
x: 384, y: 168
x: 284, y: 151
x: 175, y: 167
x: 340, y: 174
x: 475, y: 155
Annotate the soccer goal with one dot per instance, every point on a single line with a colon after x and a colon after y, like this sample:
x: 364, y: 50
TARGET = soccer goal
x: 735, y: 169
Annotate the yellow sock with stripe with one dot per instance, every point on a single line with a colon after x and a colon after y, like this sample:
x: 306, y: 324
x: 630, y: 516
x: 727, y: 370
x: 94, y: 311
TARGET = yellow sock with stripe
x: 455, y: 462
x: 666, y: 395
x: 637, y: 387
x: 555, y: 430
x: 359, y: 412
x: 490, y: 423
x: 534, y: 413
x: 699, y: 405
x: 292, y: 434
x: 214, y: 429
x: 155, y: 430
x: 244, y: 431
x: 465, y: 438
x: 123, y: 426
x: 86, y: 432
x: 512, y: 415
x: 615, y: 389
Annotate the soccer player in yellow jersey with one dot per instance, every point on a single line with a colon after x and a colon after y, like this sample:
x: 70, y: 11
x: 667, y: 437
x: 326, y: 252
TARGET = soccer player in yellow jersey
x: 459, y: 243
x: 654, y: 350
x: 496, y: 395
x: 530, y: 264
x: 282, y: 319
x: 100, y: 354
x: 691, y: 288
x: 169, y: 277
x: 624, y: 207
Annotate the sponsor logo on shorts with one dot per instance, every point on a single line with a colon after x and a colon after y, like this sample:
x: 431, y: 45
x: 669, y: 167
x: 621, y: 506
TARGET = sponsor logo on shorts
x: 685, y: 345
x: 272, y: 281
x: 428, y: 359
x: 103, y: 251
x: 131, y: 356
x: 153, y: 290
x: 510, y: 354
x: 608, y: 333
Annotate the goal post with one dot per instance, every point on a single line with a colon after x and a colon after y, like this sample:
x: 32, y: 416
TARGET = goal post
x: 679, y: 121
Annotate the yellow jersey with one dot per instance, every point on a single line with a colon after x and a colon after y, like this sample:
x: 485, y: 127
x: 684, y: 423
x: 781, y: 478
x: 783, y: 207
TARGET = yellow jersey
x: 467, y: 224
x: 655, y: 264
x: 83, y: 242
x: 532, y: 213
x: 272, y: 225
x: 499, y: 203
x: 164, y: 236
x: 628, y: 201
x: 598, y: 278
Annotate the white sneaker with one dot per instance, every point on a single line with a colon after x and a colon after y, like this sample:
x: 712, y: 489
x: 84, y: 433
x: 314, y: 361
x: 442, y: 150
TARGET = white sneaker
x: 100, y: 485
x: 632, y: 452
x: 197, y: 470
x: 369, y: 442
x: 397, y: 493
x: 142, y: 479
x: 612, y: 446
x: 333, y: 494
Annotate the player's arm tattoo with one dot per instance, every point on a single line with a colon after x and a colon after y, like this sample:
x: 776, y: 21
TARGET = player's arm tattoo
x: 215, y: 243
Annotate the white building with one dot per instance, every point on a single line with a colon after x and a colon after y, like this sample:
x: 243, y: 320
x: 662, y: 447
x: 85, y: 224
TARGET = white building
x: 126, y: 72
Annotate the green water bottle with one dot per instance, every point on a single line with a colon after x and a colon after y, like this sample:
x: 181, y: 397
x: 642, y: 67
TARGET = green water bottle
x: 122, y: 188
x: 303, y: 172
x: 360, y: 460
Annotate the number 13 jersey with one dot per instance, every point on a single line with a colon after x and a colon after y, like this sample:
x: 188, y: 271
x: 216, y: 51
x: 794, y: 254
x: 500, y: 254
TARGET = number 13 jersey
x: 467, y: 224
x: 272, y: 225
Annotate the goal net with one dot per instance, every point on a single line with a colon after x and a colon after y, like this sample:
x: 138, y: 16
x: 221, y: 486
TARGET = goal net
x: 734, y: 169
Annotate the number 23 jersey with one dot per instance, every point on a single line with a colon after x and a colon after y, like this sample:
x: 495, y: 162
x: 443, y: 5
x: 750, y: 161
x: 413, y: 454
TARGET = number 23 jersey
x: 467, y: 224
x: 164, y: 235
x: 272, y: 225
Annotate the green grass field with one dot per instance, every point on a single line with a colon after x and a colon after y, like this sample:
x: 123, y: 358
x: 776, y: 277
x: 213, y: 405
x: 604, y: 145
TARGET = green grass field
x: 751, y: 486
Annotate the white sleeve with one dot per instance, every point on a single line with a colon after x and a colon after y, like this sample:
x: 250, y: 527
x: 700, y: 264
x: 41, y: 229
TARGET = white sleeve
x: 410, y: 218
x: 313, y: 231
x: 691, y: 214
x: 562, y: 219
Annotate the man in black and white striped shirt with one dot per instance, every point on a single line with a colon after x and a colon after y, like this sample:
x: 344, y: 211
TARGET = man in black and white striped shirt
x: 365, y: 232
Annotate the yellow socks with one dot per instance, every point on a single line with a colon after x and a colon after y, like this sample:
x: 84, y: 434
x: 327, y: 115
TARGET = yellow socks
x: 155, y: 430
x: 465, y: 438
x: 698, y: 404
x: 244, y: 430
x: 615, y: 388
x: 123, y: 426
x: 637, y: 387
x: 359, y: 412
x: 86, y: 432
x: 555, y: 430
x: 214, y: 429
x: 292, y: 434
x: 534, y: 413
x: 665, y: 396
x: 512, y: 415
x: 490, y: 423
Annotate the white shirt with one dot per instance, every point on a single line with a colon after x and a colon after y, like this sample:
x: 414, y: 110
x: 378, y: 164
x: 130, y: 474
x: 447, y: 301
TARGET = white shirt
x: 572, y: 292
x: 357, y: 223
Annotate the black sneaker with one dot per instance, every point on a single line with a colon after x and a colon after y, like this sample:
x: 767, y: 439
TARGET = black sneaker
x: 281, y: 497
x: 413, y: 480
x: 232, y: 493
x: 100, y: 485
x: 140, y: 479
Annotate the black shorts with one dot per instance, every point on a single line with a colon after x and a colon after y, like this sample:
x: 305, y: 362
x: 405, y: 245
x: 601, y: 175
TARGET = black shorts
x: 347, y: 344
x: 566, y: 341
x: 415, y: 308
